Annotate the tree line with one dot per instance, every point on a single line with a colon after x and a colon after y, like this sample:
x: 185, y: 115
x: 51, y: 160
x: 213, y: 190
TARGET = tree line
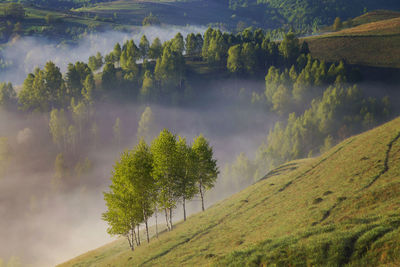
x: 162, y: 73
x: 150, y: 179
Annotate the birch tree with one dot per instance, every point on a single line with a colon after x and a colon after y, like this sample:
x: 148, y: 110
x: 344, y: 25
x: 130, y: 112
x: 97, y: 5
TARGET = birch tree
x: 207, y: 170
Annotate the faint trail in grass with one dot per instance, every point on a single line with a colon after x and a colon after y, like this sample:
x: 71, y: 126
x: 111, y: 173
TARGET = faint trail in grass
x: 328, y: 212
x: 283, y: 168
x: 385, y: 163
x: 315, y: 166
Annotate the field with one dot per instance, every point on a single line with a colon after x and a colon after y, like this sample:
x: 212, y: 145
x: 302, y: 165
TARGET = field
x: 340, y: 208
x: 374, y: 44
x: 124, y: 14
x: 177, y: 12
x: 55, y: 24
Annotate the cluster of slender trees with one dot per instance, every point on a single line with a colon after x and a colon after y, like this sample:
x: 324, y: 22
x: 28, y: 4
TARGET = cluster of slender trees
x: 152, y: 178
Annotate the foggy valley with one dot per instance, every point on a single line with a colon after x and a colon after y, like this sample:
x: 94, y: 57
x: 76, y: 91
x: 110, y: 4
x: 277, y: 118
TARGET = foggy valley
x: 237, y: 110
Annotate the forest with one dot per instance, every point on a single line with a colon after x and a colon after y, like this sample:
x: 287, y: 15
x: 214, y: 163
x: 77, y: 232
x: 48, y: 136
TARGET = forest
x: 310, y: 105
x: 311, y: 95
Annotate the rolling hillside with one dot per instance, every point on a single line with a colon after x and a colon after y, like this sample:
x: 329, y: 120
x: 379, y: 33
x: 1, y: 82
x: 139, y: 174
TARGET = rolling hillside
x: 374, y: 16
x: 341, y: 208
x: 376, y: 43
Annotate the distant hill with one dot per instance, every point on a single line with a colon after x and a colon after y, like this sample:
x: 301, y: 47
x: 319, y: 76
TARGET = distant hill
x: 375, y: 43
x: 233, y: 14
x: 327, y: 10
x: 375, y: 16
x: 67, y: 19
x: 340, y: 208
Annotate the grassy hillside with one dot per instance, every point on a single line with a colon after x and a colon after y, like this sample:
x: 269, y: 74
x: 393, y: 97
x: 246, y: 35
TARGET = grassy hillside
x: 372, y: 44
x: 374, y: 16
x: 54, y: 24
x: 342, y: 207
x: 194, y: 12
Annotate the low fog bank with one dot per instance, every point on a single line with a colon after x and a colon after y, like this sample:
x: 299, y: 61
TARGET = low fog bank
x: 24, y: 54
x: 45, y: 225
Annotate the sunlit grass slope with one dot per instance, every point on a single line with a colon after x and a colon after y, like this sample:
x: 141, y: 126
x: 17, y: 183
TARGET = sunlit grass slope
x: 372, y: 44
x: 374, y: 16
x: 341, y: 208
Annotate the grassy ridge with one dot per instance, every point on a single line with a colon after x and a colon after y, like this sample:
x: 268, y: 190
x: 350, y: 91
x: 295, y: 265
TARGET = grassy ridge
x: 372, y: 44
x: 374, y: 16
x: 339, y: 208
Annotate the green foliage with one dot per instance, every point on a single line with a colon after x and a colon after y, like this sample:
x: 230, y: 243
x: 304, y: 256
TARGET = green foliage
x: 43, y: 89
x: 75, y: 78
x: 58, y: 125
x: 337, y: 24
x: 129, y: 55
x: 109, y: 77
x: 169, y: 68
x: 124, y: 204
x: 7, y: 95
x: 151, y: 20
x: 14, y: 10
x: 206, y: 42
x: 83, y: 167
x: 240, y: 173
x: 290, y: 48
x: 207, y: 165
x: 281, y: 100
x: 80, y: 115
x: 165, y: 169
x: 217, y: 48
x: 116, y: 54
x: 145, y: 126
x: 147, y: 91
x: 88, y: 90
x: 144, y: 47
x: 274, y: 221
x: 234, y: 62
x: 178, y: 44
x: 46, y: 89
x: 155, y: 49
x: 188, y: 172
x: 194, y: 44
x: 149, y: 177
x: 342, y: 111
x: 60, y: 171
x: 95, y: 62
x: 249, y: 57
x: 290, y: 90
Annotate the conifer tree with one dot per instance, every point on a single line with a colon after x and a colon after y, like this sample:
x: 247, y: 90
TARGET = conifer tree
x: 155, y: 49
x: 144, y: 47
